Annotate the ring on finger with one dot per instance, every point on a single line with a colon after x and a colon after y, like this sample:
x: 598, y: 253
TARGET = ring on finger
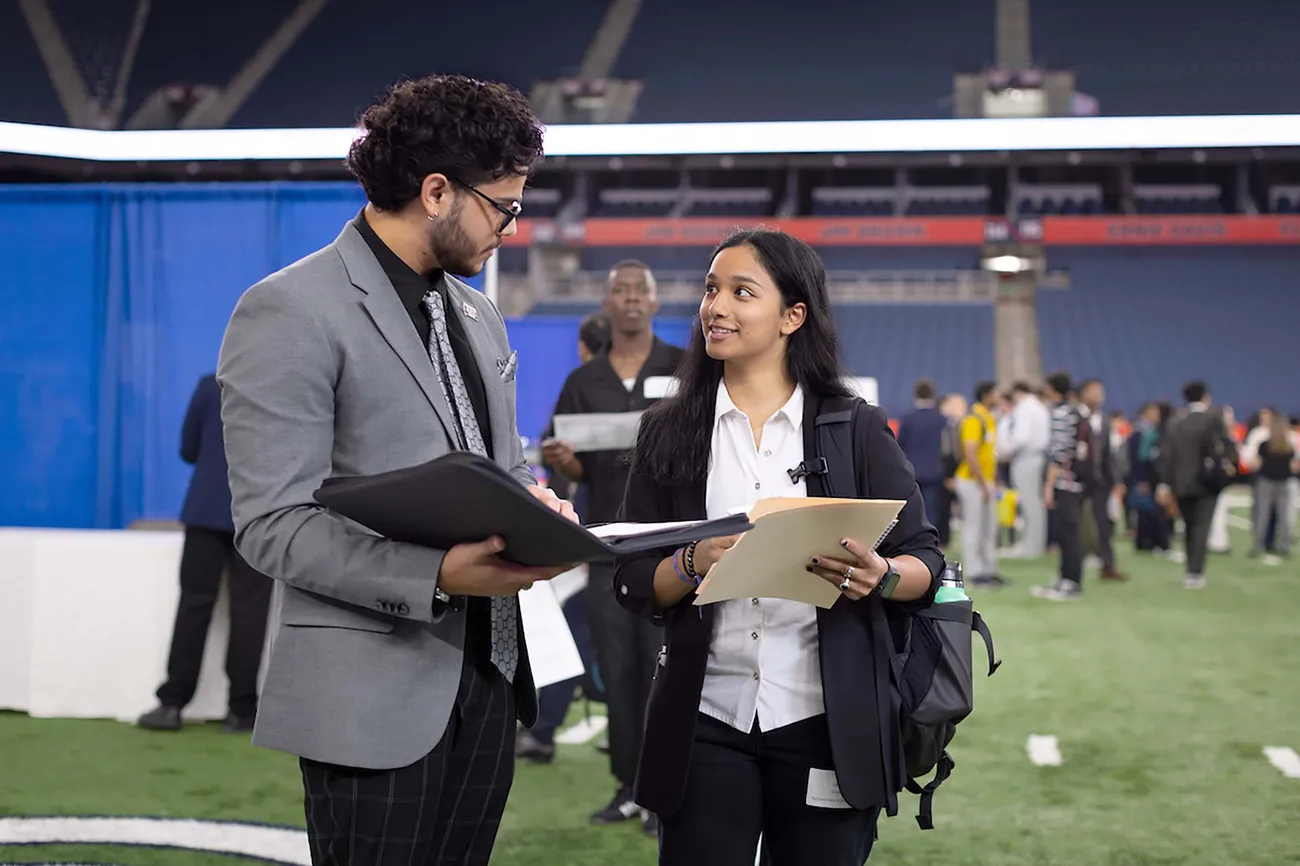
x: 848, y: 579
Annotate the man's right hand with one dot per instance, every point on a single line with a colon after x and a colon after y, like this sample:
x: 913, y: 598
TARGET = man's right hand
x: 477, y: 569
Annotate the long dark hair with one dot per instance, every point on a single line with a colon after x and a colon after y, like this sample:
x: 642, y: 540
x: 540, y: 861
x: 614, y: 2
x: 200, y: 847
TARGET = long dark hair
x: 673, y: 445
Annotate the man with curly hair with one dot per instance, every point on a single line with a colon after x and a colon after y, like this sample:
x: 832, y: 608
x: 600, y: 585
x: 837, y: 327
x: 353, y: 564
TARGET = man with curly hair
x: 398, y: 672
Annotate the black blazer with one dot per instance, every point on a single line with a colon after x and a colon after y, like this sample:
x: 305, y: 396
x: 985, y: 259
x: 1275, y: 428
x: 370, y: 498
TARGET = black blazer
x: 855, y: 638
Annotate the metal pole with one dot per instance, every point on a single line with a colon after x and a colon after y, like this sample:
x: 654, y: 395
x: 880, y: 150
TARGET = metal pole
x: 491, y: 285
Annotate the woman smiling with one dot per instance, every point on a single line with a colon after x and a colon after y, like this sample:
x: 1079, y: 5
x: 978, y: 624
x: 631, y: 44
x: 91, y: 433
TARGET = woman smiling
x: 768, y: 716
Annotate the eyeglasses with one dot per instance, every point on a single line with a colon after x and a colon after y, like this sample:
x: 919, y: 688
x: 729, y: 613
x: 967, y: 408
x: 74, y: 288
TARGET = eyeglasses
x: 508, y: 212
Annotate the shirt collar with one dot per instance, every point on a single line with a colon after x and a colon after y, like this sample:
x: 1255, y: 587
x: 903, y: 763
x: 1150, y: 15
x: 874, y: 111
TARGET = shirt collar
x: 410, y: 286
x: 792, y: 410
x: 1197, y: 407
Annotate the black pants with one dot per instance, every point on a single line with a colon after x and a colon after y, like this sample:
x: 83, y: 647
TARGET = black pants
x: 1197, y: 513
x: 206, y: 556
x: 444, y: 809
x: 740, y: 785
x: 1153, y: 529
x: 1068, y: 520
x: 626, y: 651
x: 1099, y: 501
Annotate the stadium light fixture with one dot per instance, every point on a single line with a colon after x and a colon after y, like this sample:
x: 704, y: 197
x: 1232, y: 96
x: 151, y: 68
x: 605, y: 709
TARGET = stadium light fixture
x: 687, y: 139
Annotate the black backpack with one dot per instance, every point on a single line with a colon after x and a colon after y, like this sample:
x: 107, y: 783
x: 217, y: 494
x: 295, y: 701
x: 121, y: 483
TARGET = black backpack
x: 932, y: 672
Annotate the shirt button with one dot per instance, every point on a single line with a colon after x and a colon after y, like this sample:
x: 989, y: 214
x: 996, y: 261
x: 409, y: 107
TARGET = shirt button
x: 758, y: 485
x: 754, y: 635
x: 753, y: 601
x: 767, y: 453
x: 755, y: 674
x: 623, y: 589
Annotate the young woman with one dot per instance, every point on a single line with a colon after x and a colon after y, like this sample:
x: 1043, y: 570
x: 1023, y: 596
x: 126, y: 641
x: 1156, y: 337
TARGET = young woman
x: 1273, y: 464
x: 768, y: 716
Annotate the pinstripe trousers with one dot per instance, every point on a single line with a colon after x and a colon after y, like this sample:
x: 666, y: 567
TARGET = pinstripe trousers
x: 442, y: 810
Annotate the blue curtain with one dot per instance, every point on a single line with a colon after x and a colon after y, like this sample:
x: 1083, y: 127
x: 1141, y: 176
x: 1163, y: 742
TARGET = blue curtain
x: 113, y: 302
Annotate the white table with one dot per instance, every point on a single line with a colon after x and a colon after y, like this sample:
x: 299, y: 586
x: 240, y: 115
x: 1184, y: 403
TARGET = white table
x: 86, y: 620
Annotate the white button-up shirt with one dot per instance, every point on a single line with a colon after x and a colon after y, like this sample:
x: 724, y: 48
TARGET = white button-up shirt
x: 763, y: 661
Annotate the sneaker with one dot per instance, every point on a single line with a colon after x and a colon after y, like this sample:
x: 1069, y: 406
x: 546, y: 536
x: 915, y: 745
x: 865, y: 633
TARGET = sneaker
x: 1194, y: 581
x: 528, y: 747
x: 650, y: 823
x: 621, y: 808
x: 161, y: 718
x: 1062, y: 590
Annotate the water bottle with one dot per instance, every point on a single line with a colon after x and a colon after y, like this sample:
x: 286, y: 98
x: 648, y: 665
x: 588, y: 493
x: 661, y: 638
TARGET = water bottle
x: 951, y: 587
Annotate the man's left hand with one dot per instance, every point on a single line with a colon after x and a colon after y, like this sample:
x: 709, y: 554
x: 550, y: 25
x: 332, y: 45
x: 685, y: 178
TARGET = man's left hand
x: 547, y: 495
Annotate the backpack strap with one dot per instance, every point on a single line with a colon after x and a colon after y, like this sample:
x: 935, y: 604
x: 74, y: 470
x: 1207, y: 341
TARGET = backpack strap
x: 977, y: 623
x: 925, y: 812
x: 835, y: 452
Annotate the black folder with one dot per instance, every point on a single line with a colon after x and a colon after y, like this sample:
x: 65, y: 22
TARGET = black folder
x: 461, y: 497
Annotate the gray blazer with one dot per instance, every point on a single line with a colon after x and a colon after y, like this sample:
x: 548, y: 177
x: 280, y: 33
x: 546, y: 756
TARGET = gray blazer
x: 323, y: 375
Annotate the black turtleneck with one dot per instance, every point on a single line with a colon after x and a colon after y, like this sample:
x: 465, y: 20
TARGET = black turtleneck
x: 411, y: 289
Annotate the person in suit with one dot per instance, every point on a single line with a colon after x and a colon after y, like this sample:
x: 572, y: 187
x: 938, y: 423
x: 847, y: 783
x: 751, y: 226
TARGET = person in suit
x: 768, y: 716
x: 207, y: 554
x: 920, y: 435
x: 1106, y: 482
x: 1187, y: 442
x: 615, y: 381
x: 398, y: 672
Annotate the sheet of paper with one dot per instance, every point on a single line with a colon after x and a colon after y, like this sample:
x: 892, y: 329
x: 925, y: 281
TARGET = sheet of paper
x: 598, y: 431
x: 770, y: 560
x: 551, y: 650
x: 626, y: 530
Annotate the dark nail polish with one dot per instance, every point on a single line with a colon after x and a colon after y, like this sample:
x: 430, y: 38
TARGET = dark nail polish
x: 844, y: 543
x: 816, y: 561
x: 808, y: 568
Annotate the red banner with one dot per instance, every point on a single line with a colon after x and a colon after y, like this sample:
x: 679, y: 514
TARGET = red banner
x: 1111, y: 231
x: 705, y: 232
x: 935, y: 231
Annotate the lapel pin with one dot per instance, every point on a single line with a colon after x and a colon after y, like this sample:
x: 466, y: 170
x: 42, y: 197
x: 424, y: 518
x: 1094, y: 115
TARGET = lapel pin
x: 469, y: 309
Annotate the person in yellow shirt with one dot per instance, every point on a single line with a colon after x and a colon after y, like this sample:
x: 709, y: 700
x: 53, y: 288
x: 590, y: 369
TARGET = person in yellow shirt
x: 976, y: 481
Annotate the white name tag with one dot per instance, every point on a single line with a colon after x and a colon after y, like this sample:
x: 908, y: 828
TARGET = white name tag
x: 658, y: 387
x: 824, y: 790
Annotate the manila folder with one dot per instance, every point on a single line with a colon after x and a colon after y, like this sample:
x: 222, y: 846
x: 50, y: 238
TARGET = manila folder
x: 770, y: 560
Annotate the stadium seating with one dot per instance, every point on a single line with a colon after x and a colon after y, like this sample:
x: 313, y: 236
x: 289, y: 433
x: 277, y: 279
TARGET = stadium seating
x: 1134, y: 59
x: 1148, y: 319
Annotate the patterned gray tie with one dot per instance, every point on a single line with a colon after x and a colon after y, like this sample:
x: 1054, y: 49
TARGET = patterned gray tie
x: 505, y: 616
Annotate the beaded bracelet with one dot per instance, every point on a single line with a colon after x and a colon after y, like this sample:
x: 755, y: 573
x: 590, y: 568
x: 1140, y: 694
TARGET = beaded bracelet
x: 677, y: 567
x: 688, y: 558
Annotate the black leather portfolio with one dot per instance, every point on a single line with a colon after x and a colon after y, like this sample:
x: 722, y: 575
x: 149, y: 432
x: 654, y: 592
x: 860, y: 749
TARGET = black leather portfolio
x: 461, y: 497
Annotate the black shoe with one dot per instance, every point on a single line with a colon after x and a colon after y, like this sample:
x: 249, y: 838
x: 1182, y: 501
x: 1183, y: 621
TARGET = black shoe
x: 621, y: 808
x: 528, y: 747
x: 161, y: 718
x: 234, y: 724
x: 650, y: 823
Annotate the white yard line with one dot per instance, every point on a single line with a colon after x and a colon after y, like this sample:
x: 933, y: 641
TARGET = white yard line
x: 1285, y: 759
x: 583, y: 732
x: 1043, y: 750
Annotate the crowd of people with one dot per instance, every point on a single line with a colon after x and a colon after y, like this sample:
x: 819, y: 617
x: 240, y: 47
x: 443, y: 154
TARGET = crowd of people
x: 1038, y: 467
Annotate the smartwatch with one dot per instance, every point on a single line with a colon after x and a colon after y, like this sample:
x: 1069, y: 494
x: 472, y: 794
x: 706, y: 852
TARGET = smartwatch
x: 888, y: 583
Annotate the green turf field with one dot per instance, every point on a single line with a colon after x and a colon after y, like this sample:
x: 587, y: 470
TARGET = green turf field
x: 1161, y: 699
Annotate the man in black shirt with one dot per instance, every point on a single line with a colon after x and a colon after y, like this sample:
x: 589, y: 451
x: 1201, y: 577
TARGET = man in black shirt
x: 627, y: 647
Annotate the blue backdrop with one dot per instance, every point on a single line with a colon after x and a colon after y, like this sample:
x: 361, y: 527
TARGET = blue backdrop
x: 113, y: 302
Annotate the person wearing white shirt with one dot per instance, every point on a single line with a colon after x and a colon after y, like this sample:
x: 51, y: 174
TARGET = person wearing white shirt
x: 1023, y: 443
x: 769, y: 717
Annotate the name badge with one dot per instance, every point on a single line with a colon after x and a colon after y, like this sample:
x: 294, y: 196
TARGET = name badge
x: 469, y: 310
x: 824, y: 790
x: 658, y: 387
